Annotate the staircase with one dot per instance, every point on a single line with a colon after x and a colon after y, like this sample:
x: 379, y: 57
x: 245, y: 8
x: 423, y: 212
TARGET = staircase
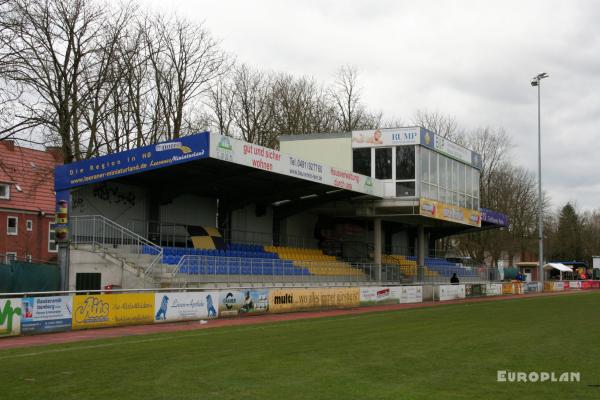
x: 118, y: 245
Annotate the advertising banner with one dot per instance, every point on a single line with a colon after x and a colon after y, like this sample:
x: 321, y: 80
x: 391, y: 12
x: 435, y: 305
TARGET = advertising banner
x: 141, y: 159
x: 173, y: 306
x: 285, y: 300
x: 386, y: 137
x: 508, y: 288
x: 10, y: 317
x: 411, y: 294
x: 450, y: 292
x: 379, y: 295
x: 475, y: 289
x: 102, y: 310
x: 531, y: 287
x: 447, y: 212
x: 252, y: 155
x: 46, y: 314
x: 572, y: 285
x: 493, y: 289
x: 234, y: 303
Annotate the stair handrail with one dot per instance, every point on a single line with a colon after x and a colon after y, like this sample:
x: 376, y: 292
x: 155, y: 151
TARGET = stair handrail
x: 81, y: 224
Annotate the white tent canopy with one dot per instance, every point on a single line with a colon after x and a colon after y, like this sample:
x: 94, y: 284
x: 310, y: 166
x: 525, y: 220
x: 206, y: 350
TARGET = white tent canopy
x: 558, y: 266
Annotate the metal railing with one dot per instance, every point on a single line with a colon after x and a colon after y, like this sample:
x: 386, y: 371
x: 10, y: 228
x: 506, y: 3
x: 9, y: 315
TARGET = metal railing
x: 97, y: 230
x: 194, y: 269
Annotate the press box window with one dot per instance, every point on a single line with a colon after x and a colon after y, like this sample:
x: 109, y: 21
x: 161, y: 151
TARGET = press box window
x: 4, y: 191
x: 383, y: 163
x: 405, y: 189
x: 405, y: 162
x: 12, y: 226
x: 361, y: 161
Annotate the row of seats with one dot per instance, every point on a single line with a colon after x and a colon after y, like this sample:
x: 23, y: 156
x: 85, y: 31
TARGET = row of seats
x: 314, y: 260
x: 242, y: 270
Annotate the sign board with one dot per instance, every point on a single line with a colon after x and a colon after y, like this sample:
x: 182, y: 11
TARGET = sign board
x: 372, y: 295
x: 251, y: 155
x: 411, y: 294
x: 447, y: 212
x: 234, y: 303
x: 596, y: 262
x: 450, y: 292
x: 173, y: 306
x: 102, y: 310
x: 386, y: 137
x: 46, y: 314
x: 285, y: 300
x: 493, y: 289
x: 141, y: 159
x: 10, y: 317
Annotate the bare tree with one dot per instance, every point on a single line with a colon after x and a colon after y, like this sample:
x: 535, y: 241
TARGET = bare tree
x: 346, y: 95
x: 186, y: 61
x: 444, y: 125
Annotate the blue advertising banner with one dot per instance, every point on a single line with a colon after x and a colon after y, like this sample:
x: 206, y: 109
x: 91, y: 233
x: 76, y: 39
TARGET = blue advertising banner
x: 494, y: 217
x: 130, y: 162
x: 46, y: 314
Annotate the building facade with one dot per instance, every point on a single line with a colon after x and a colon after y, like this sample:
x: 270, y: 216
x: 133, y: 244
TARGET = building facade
x: 27, y: 203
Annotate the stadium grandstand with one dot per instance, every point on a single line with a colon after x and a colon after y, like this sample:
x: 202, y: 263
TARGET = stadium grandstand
x: 365, y: 206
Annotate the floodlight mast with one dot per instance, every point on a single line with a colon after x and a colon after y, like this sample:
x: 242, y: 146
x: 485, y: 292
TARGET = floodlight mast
x: 536, y: 81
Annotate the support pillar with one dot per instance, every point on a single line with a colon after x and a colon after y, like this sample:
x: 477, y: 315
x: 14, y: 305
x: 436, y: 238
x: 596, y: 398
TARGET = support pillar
x: 420, y: 253
x: 377, y: 244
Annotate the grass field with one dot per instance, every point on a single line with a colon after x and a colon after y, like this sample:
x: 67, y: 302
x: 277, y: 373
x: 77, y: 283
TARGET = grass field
x: 446, y: 352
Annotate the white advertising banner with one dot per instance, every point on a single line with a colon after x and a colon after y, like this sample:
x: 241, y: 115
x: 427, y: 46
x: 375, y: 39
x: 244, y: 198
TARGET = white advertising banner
x: 255, y: 156
x: 173, y: 306
x: 386, y: 137
x: 10, y: 317
x: 493, y: 289
x: 452, y: 149
x: 379, y: 295
x: 451, y: 292
x: 411, y: 294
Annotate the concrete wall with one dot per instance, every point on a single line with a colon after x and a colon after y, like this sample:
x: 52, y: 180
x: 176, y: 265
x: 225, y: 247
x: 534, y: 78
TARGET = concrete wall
x: 111, y: 273
x: 118, y: 202
x: 334, y: 151
x: 300, y: 230
x: 190, y: 210
x: 247, y: 227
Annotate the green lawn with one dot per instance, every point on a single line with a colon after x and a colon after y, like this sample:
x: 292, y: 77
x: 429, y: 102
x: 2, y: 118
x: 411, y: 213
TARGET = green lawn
x: 447, y: 352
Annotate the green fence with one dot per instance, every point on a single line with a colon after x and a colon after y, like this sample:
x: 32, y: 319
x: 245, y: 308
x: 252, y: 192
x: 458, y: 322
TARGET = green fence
x: 28, y: 277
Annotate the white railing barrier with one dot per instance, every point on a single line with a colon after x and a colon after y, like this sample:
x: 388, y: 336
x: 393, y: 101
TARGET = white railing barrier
x: 100, y: 231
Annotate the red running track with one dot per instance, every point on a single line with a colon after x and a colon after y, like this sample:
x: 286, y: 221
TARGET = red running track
x: 93, y: 334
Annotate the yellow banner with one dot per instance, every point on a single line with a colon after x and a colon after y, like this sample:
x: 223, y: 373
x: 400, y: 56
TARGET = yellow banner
x: 283, y: 300
x: 95, y: 311
x: 447, y: 212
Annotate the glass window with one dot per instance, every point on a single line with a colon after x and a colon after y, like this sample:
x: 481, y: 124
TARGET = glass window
x: 404, y: 189
x: 476, y: 204
x: 424, y: 165
x: 469, y: 202
x: 475, y: 183
x: 455, y: 198
x: 4, y: 191
x: 461, y: 178
x: 361, y: 161
x: 443, y: 171
x: 454, y: 169
x: 383, y: 163
x: 52, y: 248
x: 433, y: 192
x: 433, y: 168
x: 29, y: 225
x: 463, y: 200
x: 405, y: 162
x: 469, y: 181
x: 424, y: 190
x: 12, y: 226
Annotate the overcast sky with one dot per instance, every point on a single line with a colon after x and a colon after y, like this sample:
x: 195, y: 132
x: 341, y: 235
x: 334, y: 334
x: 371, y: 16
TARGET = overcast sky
x: 470, y: 59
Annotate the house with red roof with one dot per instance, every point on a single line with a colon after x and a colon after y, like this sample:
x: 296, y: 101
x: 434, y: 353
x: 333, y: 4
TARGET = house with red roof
x: 27, y: 202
